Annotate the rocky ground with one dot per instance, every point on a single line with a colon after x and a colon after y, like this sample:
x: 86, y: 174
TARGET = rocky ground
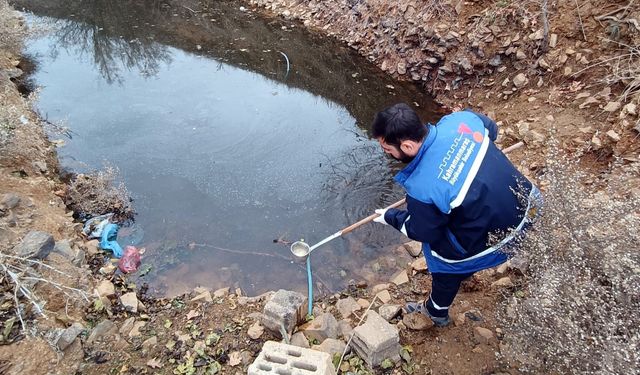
x: 571, y: 88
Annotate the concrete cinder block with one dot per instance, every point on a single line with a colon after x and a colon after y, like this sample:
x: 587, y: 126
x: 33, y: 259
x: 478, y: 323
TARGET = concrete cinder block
x: 376, y: 340
x: 279, y: 358
x: 285, y: 309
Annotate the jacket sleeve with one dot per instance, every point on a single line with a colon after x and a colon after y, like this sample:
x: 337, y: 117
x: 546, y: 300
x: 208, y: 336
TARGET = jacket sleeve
x: 421, y: 222
x: 488, y: 123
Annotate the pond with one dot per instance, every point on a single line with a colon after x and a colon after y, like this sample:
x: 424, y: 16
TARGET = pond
x: 230, y: 130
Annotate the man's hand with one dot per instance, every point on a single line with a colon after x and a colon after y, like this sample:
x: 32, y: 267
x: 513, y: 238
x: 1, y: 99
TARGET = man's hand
x: 380, y: 219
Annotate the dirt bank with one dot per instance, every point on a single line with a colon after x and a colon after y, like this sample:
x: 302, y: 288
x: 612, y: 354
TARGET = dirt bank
x: 550, y: 89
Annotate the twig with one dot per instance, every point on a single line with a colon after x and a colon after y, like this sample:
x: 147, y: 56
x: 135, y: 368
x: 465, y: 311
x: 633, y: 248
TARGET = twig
x: 240, y: 252
x: 36, y: 262
x: 515, y: 146
x: 186, y: 7
x: 580, y: 19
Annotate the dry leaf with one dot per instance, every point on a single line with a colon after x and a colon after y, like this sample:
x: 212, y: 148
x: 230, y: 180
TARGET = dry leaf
x: 154, y: 363
x: 192, y: 314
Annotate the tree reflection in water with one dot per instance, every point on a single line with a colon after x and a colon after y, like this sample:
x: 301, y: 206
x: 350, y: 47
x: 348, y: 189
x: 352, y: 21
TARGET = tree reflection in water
x: 113, y: 39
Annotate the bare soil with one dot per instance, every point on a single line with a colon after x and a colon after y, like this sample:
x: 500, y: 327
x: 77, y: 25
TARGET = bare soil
x: 557, y: 108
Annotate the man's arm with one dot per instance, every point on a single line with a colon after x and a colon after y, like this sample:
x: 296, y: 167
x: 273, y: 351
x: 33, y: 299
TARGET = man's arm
x: 488, y: 123
x: 421, y: 222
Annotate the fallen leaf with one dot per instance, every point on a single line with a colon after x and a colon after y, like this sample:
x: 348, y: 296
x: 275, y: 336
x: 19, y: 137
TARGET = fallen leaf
x: 154, y: 363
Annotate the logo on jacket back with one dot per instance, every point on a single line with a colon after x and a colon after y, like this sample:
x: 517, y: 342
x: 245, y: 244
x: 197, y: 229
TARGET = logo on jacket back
x: 459, y: 153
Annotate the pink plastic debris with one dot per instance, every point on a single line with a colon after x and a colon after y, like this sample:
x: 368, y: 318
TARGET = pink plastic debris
x: 130, y: 261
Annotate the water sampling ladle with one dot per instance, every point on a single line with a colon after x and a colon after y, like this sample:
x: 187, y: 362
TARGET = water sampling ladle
x: 301, y: 250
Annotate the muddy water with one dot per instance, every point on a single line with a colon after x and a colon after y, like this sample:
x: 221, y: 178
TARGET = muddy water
x: 230, y: 130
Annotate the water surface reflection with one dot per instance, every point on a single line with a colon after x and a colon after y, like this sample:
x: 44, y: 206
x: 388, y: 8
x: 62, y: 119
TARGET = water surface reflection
x: 222, y: 149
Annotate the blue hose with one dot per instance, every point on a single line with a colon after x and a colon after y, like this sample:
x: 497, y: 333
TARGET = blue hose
x: 310, y: 282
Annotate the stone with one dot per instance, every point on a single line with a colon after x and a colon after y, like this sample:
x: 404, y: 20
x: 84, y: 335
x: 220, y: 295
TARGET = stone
x: 379, y: 288
x: 613, y: 135
x: 35, y: 244
x: 68, y: 336
x: 414, y: 248
x: 40, y: 166
x: 92, y: 247
x: 483, y: 334
x: 520, y: 55
x: 460, y: 319
x: 611, y: 107
x: 331, y: 346
x: 9, y: 201
x: 127, y: 326
x: 538, y: 35
x: 344, y: 328
x: 202, y: 294
x: 149, y: 343
x: 347, y: 306
x: 105, y: 289
x: 384, y: 296
x: 553, y: 40
x: 324, y: 326
x: 285, y: 310
x: 250, y: 300
x: 388, y: 312
x: 504, y: 282
x: 222, y: 292
x: 363, y: 303
x: 543, y: 64
x: 64, y: 248
x: 299, y: 339
x: 495, y: 61
x: 520, y: 80
x: 587, y: 103
x: 630, y: 108
x: 102, y: 331
x: 400, y: 277
x: 135, y: 330
x: 376, y: 340
x: 567, y: 71
x: 416, y: 321
x: 502, y: 269
x: 419, y: 265
x: 255, y: 331
x: 402, y: 68
x: 130, y: 301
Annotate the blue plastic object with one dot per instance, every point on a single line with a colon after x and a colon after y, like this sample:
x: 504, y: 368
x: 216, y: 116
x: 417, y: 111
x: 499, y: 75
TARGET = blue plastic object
x: 108, y: 240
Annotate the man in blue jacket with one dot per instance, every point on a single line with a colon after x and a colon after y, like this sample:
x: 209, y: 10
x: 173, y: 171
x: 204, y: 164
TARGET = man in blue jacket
x: 466, y: 202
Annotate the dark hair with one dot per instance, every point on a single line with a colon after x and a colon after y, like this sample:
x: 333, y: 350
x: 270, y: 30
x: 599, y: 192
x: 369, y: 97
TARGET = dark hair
x: 398, y: 123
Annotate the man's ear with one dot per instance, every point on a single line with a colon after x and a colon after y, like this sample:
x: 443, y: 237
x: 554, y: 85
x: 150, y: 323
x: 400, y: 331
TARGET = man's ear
x: 409, y: 147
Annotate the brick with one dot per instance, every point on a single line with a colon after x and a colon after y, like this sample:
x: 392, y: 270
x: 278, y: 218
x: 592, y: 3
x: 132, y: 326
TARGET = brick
x: 374, y: 359
x: 280, y: 358
x: 376, y: 340
x: 284, y: 309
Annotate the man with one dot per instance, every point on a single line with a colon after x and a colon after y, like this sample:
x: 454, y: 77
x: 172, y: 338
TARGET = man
x: 466, y: 202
